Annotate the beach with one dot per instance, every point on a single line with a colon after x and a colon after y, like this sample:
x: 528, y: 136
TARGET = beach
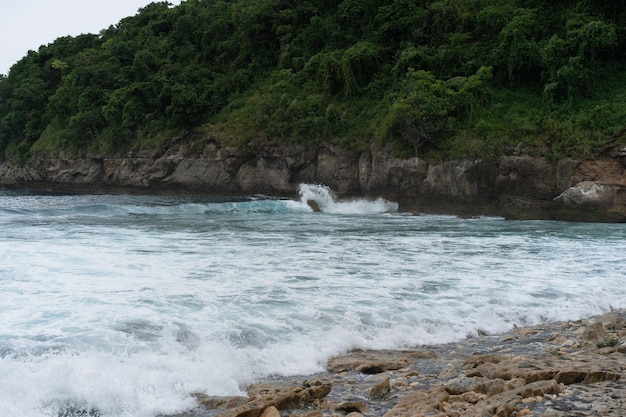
x: 146, y: 306
x: 569, y: 368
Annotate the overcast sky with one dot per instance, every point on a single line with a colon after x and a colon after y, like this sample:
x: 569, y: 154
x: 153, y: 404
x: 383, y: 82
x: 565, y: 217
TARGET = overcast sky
x: 27, y: 24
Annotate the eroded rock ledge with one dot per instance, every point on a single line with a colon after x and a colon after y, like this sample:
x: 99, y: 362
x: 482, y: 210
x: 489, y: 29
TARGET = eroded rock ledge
x: 515, y: 186
x: 553, y: 370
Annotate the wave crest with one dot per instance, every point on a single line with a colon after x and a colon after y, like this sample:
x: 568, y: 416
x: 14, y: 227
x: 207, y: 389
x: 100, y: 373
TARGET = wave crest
x: 321, y: 198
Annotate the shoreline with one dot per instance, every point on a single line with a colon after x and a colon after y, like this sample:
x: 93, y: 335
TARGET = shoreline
x: 513, y: 186
x: 552, y: 370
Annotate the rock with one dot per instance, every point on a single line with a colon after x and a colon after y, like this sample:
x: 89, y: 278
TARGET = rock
x: 515, y: 186
x: 495, y: 386
x: 475, y: 361
x: 220, y: 402
x: 265, y: 396
x: 316, y: 382
x: 525, y: 176
x: 588, y: 193
x: 375, y: 362
x: 421, y: 403
x: 593, y: 201
x: 615, y: 324
x: 379, y: 390
x: 270, y: 412
x: 592, y: 334
x: 472, y: 397
x: 505, y: 403
x: 314, y: 206
x: 511, y: 377
x: 607, y: 341
x: 449, y: 372
x: 460, y: 385
x: 310, y: 414
x: 351, y: 407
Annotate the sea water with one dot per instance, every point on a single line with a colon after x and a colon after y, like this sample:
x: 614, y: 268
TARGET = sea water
x: 125, y: 306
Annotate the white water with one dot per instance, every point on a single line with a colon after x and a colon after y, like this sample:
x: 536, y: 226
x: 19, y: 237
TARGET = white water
x: 126, y: 305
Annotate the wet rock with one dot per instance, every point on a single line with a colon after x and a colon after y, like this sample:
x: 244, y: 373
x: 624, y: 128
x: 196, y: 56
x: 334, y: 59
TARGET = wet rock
x: 213, y: 403
x: 352, y: 407
x: 496, y: 386
x: 314, y: 206
x: 264, y: 397
x: 375, y: 362
x: 449, y: 372
x: 310, y: 414
x: 270, y: 412
x: 420, y: 403
x: 597, y: 336
x: 379, y: 390
x: 529, y: 374
x: 607, y: 341
x: 461, y: 385
x: 505, y: 403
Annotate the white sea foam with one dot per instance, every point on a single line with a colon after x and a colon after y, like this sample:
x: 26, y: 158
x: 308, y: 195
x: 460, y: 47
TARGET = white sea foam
x: 129, y: 305
x: 328, y: 202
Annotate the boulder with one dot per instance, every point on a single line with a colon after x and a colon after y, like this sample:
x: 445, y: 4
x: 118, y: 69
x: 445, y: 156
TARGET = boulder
x: 314, y: 206
x: 590, y: 193
x: 592, y: 201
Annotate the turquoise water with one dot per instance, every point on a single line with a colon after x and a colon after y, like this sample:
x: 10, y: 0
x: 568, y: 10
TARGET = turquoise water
x: 129, y: 304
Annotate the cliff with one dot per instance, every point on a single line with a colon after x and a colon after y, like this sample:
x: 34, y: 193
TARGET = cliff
x: 516, y: 186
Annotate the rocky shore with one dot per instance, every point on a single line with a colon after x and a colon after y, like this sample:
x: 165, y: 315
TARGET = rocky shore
x: 515, y: 186
x: 552, y: 370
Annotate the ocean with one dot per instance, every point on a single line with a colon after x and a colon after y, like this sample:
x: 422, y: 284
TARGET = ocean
x: 127, y: 305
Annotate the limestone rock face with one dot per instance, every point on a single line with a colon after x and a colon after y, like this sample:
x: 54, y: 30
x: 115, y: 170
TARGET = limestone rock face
x: 515, y: 186
x: 380, y: 172
x: 590, y: 201
x: 525, y: 176
x: 589, y: 193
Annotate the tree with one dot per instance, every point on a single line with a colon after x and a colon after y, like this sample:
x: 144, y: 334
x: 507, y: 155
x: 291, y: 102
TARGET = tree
x: 571, y: 61
x: 426, y: 107
x: 518, y: 50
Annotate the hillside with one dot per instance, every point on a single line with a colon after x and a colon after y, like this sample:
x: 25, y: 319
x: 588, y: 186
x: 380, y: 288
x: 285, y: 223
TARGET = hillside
x: 444, y: 79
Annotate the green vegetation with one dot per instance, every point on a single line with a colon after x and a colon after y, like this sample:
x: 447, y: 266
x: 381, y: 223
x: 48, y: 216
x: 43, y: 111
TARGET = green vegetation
x: 448, y: 78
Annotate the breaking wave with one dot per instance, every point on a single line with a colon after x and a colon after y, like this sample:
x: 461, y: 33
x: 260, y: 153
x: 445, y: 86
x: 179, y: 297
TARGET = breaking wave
x: 322, y: 198
x: 74, y: 206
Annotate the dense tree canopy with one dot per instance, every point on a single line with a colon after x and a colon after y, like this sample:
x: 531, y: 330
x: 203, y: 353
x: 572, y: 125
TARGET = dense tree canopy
x: 446, y: 78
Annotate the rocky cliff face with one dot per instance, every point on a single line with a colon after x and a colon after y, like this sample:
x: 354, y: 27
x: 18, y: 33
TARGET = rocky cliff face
x: 515, y: 186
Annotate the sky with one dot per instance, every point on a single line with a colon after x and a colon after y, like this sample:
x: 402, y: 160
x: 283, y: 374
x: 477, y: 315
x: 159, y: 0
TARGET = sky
x: 27, y: 24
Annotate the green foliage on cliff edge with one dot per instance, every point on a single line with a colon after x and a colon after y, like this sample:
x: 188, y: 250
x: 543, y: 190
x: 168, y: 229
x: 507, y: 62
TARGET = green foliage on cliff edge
x: 448, y: 78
